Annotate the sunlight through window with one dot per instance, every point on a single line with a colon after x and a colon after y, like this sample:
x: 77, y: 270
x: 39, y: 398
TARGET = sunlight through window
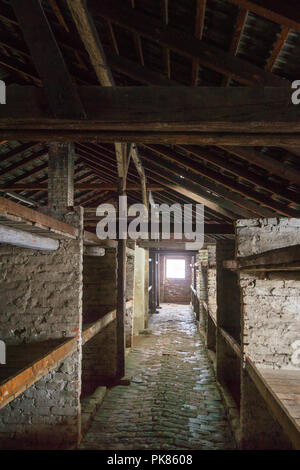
x: 175, y: 269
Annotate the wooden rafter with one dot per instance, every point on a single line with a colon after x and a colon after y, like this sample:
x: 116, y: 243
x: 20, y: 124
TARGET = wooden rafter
x: 277, y: 48
x: 47, y: 57
x: 237, y: 35
x: 164, y: 8
x: 199, y: 28
x: 205, y: 186
x: 284, y: 13
x: 227, y: 182
x: 193, y: 48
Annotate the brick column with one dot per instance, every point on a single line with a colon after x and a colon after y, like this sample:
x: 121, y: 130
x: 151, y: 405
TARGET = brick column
x: 60, y: 177
x: 270, y: 308
x: 41, y: 299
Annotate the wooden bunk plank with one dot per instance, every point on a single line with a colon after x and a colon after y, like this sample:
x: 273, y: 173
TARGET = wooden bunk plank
x: 27, y: 214
x: 280, y: 259
x: 234, y: 345
x: 270, y: 383
x: 90, y: 331
x: 23, y: 375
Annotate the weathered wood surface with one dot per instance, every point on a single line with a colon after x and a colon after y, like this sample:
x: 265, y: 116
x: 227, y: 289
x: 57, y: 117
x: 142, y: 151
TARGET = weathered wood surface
x: 62, y: 94
x: 22, y: 215
x: 159, y: 109
x: 280, y: 259
x: 28, y: 363
x: 281, y: 391
x: 187, y: 45
x: 24, y: 239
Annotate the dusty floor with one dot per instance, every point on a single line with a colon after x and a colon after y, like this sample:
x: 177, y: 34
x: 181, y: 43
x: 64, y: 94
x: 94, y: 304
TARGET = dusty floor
x: 173, y: 401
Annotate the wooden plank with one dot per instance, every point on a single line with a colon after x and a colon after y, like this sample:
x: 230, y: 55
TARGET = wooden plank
x: 90, y: 38
x: 89, y: 331
x: 231, y: 342
x: 287, y: 258
x: 22, y: 380
x: 90, y: 238
x: 237, y: 35
x: 277, y: 407
x: 239, y: 171
x: 199, y: 169
x: 277, y: 48
x: 23, y: 239
x: 121, y: 296
x: 284, y: 13
x: 263, y: 160
x: 78, y: 187
x: 139, y: 166
x: 208, y: 55
x: 197, y: 182
x: 161, y: 109
x: 199, y: 28
x: 62, y: 95
x: 36, y: 217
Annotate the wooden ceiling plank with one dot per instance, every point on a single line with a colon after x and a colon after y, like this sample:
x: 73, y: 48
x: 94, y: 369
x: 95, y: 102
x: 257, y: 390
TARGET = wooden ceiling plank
x: 237, y: 35
x: 284, y: 13
x: 280, y: 42
x: 48, y: 59
x: 193, y: 48
x: 228, y: 183
x: 199, y: 28
x: 235, y: 202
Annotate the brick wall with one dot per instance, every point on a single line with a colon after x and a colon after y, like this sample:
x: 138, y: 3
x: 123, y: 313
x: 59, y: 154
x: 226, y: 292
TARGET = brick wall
x: 270, y: 301
x: 41, y: 298
x: 201, y: 284
x: 271, y: 324
x: 99, y: 298
x: 129, y: 296
x: 212, y: 279
x: 176, y: 290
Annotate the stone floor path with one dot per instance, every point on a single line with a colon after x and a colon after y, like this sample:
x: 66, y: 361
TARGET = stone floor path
x: 173, y: 401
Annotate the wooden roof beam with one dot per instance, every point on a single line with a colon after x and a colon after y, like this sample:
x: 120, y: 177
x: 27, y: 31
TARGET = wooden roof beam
x: 284, y: 13
x: 199, y: 28
x: 217, y: 116
x: 216, y: 192
x: 48, y: 59
x: 209, y: 56
x: 237, y: 35
x: 227, y: 182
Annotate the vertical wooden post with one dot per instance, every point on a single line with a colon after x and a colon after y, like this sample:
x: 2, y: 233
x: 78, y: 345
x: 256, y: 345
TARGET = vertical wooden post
x: 146, y: 286
x: 158, y: 282
x: 121, y: 294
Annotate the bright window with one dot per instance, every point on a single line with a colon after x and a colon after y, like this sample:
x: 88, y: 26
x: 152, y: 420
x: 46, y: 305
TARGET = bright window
x: 175, y: 269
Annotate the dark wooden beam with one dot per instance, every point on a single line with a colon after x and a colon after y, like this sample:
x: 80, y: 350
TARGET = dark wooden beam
x: 78, y: 187
x: 237, y: 35
x: 62, y: 95
x: 239, y: 171
x: 192, y: 184
x: 212, y: 115
x: 199, y: 28
x: 4, y: 157
x: 263, y: 160
x: 209, y: 56
x: 225, y: 181
x: 164, y: 8
x: 280, y: 41
x: 285, y: 13
x: 23, y: 162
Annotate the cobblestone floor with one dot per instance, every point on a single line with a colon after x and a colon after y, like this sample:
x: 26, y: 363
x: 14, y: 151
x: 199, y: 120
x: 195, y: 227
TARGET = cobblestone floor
x: 173, y: 401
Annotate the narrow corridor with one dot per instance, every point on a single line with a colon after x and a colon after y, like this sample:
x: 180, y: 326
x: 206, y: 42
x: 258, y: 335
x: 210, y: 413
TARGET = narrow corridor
x: 172, y: 402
